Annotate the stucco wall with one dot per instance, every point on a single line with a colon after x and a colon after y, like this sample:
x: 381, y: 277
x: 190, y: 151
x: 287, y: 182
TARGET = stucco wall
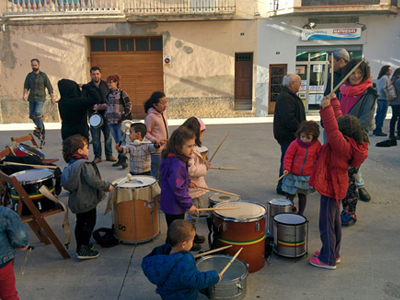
x: 202, y: 61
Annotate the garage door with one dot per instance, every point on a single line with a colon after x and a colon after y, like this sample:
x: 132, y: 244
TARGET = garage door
x: 138, y: 61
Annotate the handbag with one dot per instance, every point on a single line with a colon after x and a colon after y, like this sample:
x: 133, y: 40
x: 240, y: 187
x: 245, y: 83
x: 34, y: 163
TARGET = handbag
x: 390, y: 92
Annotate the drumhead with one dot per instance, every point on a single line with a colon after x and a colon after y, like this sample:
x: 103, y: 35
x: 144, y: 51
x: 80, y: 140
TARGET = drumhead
x: 95, y: 120
x: 290, y: 219
x: 280, y: 202
x: 30, y: 150
x: 33, y: 175
x: 202, y: 149
x: 218, y: 197
x: 248, y: 211
x: 237, y: 270
x: 137, y: 182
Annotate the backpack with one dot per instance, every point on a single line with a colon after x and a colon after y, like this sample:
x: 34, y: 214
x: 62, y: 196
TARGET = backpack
x: 390, y: 92
x: 108, y: 239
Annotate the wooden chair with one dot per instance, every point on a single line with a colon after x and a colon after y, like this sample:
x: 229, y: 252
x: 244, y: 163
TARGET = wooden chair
x: 31, y: 138
x: 36, y: 221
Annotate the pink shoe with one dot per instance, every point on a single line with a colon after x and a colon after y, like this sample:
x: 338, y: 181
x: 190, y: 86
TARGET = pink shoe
x: 316, y: 253
x: 317, y: 263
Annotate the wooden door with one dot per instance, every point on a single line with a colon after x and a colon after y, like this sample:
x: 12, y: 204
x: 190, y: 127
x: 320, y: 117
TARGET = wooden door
x: 243, y: 81
x: 276, y: 74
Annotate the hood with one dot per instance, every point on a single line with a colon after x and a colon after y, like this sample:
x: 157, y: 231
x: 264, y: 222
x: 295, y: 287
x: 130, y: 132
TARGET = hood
x: 69, y: 178
x: 360, y: 152
x: 69, y: 89
x: 157, y: 266
x: 154, y: 111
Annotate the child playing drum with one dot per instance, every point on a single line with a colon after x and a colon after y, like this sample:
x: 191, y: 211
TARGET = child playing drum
x: 298, y: 163
x: 173, y: 269
x: 197, y: 170
x: 175, y: 199
x: 82, y: 179
x: 140, y: 150
x: 347, y: 145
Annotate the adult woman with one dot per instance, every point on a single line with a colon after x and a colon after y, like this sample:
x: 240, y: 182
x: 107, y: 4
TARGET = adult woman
x: 157, y: 127
x: 383, y: 83
x: 118, y: 109
x: 395, y: 104
x: 358, y: 99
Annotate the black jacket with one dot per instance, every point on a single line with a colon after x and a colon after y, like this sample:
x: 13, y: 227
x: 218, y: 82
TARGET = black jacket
x: 73, y: 107
x: 103, y: 91
x: 289, y: 113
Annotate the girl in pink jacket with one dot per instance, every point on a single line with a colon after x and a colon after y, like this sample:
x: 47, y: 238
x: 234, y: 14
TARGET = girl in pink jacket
x: 197, y: 170
x: 298, y: 163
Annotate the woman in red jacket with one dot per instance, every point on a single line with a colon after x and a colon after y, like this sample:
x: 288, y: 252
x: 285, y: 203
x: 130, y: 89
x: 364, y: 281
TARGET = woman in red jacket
x: 347, y: 146
x: 298, y: 163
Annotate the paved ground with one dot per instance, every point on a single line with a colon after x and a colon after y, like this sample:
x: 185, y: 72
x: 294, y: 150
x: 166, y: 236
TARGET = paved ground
x: 370, y: 250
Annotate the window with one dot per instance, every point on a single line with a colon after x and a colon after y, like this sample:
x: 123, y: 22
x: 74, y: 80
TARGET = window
x: 112, y: 44
x: 126, y: 44
x: 97, y: 44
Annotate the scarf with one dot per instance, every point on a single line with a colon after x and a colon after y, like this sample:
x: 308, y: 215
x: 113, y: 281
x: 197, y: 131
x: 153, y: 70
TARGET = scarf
x: 77, y: 156
x: 304, y: 144
x: 350, y: 94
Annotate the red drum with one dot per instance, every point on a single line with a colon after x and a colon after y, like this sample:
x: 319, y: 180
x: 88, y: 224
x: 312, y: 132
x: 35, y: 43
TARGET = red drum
x: 243, y: 227
x: 25, y: 150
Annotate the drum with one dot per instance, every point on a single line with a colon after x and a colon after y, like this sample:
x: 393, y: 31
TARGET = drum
x: 96, y: 120
x: 290, y: 232
x: 31, y: 180
x: 233, y: 284
x: 277, y: 206
x: 136, y: 220
x: 243, y: 227
x: 26, y: 150
x: 219, y: 198
x: 204, y: 152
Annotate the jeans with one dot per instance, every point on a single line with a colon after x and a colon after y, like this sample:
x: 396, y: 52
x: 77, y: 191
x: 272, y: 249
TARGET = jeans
x: 96, y: 136
x: 193, y: 218
x: 395, y: 118
x: 380, y: 115
x: 155, y: 166
x: 359, y: 180
x: 117, y: 135
x: 284, y: 147
x: 35, y: 113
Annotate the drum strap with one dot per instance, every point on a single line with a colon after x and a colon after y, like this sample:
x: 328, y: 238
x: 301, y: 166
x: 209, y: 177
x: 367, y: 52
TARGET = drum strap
x: 45, y: 191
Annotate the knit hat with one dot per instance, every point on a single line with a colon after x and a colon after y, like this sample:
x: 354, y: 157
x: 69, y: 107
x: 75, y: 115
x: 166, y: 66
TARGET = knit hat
x: 202, y: 125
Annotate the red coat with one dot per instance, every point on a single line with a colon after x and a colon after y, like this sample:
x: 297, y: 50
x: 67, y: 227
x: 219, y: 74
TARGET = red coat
x: 329, y: 176
x: 300, y: 160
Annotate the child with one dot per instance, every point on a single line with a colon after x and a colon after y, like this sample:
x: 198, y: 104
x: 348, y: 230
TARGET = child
x: 298, y: 163
x: 12, y: 237
x: 197, y: 170
x: 347, y: 146
x: 82, y: 179
x: 173, y: 269
x: 140, y: 150
x: 175, y: 182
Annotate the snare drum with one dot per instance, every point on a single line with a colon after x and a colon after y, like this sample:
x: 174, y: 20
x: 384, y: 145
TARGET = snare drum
x: 31, y: 180
x: 204, y: 152
x: 277, y: 206
x: 290, y: 232
x: 96, y: 121
x: 220, y: 198
x: 233, y: 284
x: 136, y: 210
x: 243, y: 227
x: 25, y: 150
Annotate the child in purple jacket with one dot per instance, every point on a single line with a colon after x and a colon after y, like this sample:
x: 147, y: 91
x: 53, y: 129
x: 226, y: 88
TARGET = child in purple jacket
x: 175, y: 182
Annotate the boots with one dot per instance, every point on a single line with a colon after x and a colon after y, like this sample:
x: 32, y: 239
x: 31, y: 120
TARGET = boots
x: 124, y: 163
x: 119, y: 162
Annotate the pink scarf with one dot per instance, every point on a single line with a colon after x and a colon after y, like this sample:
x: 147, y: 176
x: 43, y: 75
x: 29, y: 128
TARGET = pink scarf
x: 350, y: 94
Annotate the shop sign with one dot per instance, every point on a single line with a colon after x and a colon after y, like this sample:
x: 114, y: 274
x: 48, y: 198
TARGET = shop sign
x: 331, y: 34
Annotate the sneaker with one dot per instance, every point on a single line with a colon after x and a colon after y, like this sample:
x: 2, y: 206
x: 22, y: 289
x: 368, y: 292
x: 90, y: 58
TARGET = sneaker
x: 380, y: 134
x: 97, y: 160
x: 86, y: 253
x: 363, y: 195
x: 111, y: 158
x: 317, y: 263
x: 196, y: 247
x: 198, y: 239
x: 348, y: 219
x: 316, y: 254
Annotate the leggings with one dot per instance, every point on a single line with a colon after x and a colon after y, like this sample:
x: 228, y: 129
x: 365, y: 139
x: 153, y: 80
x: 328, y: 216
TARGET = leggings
x: 85, y: 223
x: 350, y: 201
x: 7, y: 283
x: 302, y: 201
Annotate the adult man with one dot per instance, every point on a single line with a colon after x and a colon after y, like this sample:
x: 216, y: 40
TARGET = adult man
x: 289, y: 113
x: 340, y: 58
x: 35, y: 84
x: 102, y: 88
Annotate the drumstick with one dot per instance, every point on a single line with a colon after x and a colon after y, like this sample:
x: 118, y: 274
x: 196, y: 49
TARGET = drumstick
x: 332, y: 71
x: 212, y: 251
x: 219, y: 147
x: 229, y: 263
x: 218, y: 191
x: 280, y: 178
x: 347, y: 76
x: 216, y: 208
x: 28, y: 165
x: 222, y: 168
